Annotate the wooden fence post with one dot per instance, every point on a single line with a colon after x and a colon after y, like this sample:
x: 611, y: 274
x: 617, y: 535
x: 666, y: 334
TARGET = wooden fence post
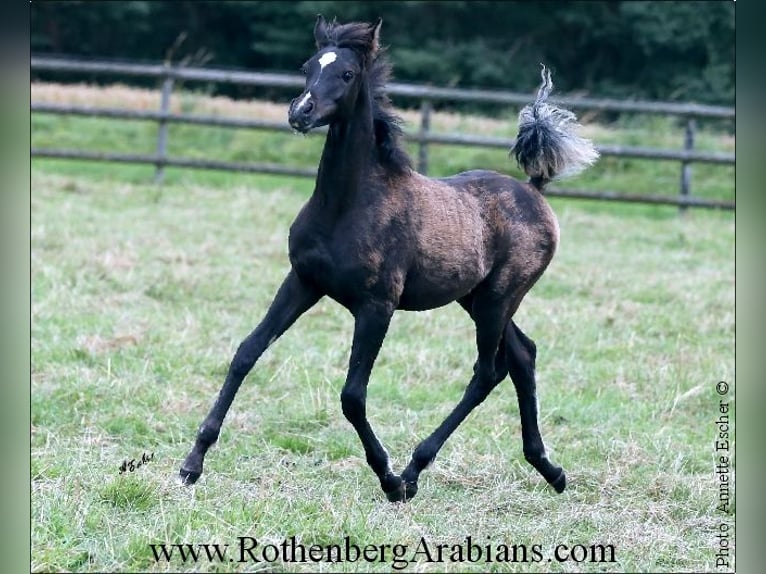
x: 162, y: 132
x: 425, y: 126
x: 686, y: 168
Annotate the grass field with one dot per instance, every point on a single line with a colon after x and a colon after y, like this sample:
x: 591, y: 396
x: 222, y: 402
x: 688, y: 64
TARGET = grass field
x: 141, y: 293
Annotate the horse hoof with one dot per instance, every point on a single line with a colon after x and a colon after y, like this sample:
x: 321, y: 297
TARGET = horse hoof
x: 395, y: 495
x: 188, y: 477
x: 405, y: 492
x: 560, y: 483
x: 410, y: 489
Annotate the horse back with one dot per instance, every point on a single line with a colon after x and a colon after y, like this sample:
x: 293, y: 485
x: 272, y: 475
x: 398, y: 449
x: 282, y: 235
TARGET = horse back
x: 511, y: 216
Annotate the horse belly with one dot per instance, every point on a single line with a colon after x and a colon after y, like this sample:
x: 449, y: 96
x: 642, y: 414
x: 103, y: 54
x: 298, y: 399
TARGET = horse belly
x: 450, y: 262
x: 421, y: 293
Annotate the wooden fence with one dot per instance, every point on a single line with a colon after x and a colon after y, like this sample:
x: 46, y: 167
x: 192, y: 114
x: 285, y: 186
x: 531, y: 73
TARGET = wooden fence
x: 423, y: 136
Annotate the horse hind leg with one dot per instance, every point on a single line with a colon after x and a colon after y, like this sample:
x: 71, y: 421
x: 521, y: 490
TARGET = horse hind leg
x: 501, y: 363
x: 489, y: 370
x: 520, y: 353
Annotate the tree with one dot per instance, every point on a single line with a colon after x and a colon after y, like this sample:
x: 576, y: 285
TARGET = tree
x: 680, y: 50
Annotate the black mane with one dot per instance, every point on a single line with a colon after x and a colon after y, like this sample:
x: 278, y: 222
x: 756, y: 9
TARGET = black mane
x: 387, y: 125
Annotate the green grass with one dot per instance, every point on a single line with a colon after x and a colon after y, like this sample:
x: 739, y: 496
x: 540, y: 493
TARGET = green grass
x: 141, y: 293
x: 140, y: 296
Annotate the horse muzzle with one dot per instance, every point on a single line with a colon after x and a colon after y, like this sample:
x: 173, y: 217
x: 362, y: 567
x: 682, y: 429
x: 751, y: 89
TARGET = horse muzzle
x: 302, y: 113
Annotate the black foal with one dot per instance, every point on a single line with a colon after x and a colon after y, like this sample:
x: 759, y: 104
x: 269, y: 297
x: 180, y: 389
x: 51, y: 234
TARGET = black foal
x: 376, y: 236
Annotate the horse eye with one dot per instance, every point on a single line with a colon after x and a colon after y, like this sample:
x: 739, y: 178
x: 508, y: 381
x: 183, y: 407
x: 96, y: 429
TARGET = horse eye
x: 303, y: 70
x: 347, y: 76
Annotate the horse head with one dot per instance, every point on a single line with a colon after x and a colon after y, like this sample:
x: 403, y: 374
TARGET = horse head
x: 335, y: 73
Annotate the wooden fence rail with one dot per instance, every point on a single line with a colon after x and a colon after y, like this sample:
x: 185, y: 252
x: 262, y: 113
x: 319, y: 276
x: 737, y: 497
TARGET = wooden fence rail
x: 170, y: 74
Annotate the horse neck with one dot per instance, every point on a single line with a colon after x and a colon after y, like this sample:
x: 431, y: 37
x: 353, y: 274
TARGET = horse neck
x: 347, y: 157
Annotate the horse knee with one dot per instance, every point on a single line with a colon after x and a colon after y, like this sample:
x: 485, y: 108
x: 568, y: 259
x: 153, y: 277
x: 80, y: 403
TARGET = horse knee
x: 239, y: 369
x: 248, y: 352
x: 485, y: 379
x: 242, y: 363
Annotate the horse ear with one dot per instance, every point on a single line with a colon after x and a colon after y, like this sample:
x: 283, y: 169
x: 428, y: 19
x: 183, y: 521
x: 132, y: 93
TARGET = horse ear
x: 320, y: 32
x: 375, y: 36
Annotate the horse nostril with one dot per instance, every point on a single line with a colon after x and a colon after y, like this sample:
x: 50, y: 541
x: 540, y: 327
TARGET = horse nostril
x: 308, y: 107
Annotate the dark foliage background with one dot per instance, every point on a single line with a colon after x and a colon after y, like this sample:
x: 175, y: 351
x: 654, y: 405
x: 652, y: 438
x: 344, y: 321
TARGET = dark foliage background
x: 680, y: 51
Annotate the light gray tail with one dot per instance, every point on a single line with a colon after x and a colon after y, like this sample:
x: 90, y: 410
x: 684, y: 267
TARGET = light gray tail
x: 547, y: 146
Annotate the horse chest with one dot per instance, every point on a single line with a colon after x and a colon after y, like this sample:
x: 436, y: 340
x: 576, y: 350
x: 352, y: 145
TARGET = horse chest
x: 310, y: 256
x: 328, y: 262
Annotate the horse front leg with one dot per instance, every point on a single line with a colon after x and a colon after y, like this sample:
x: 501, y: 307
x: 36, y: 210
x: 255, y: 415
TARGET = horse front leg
x: 370, y: 328
x: 293, y: 299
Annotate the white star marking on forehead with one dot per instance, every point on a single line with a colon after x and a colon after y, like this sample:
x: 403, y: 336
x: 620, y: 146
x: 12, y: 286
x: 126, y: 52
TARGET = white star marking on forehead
x: 327, y: 59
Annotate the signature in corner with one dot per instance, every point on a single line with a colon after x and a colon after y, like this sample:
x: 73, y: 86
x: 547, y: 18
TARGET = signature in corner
x: 133, y: 464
